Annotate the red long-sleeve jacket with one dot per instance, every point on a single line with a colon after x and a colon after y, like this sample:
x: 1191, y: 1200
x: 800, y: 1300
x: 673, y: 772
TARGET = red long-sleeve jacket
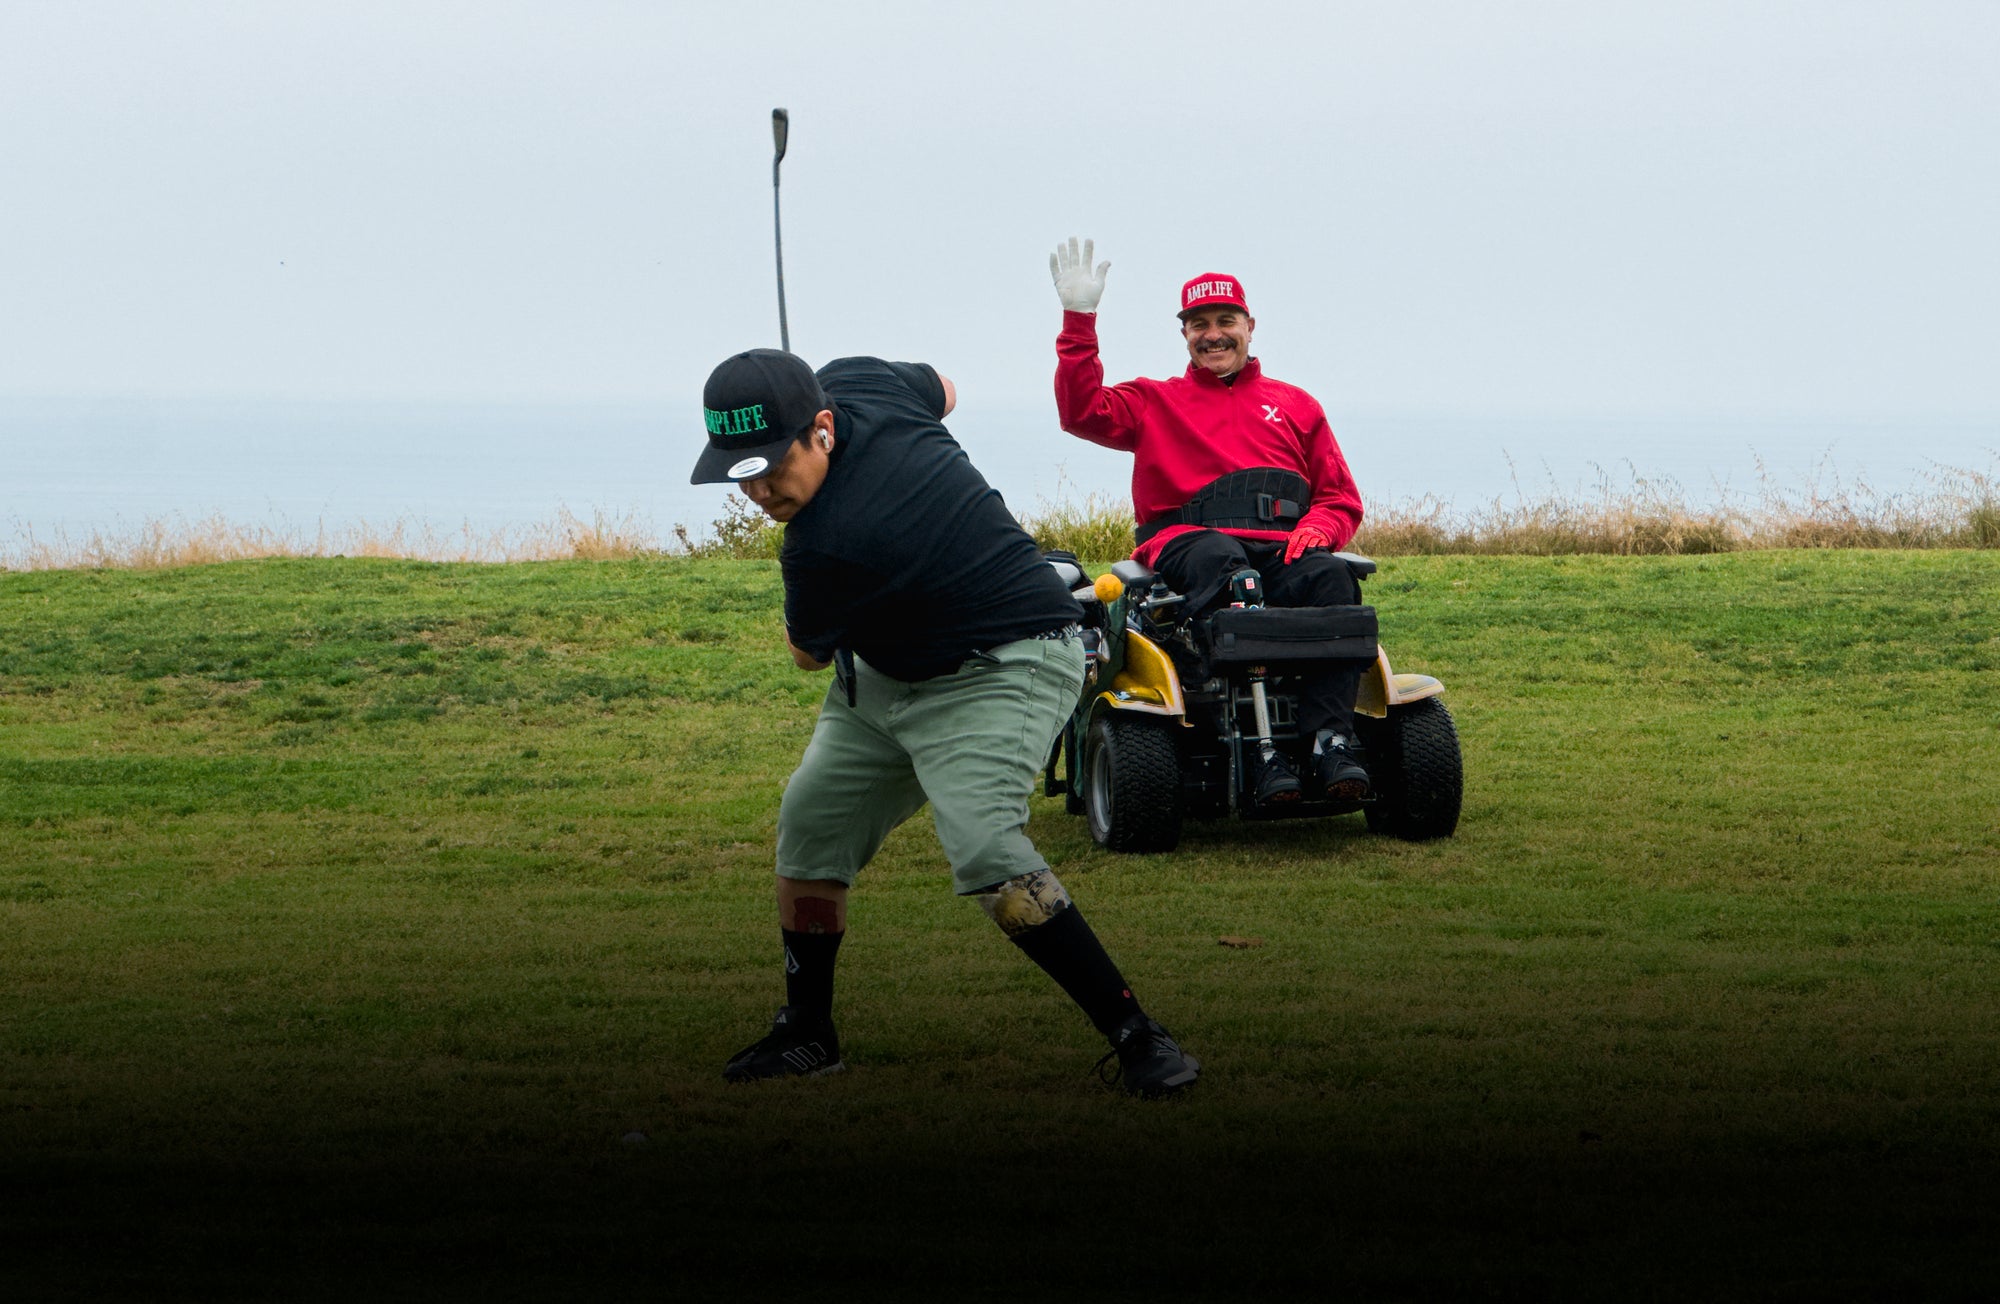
x: 1189, y: 431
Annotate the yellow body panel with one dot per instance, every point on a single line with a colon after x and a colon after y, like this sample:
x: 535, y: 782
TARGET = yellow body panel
x: 1382, y: 688
x: 1147, y: 682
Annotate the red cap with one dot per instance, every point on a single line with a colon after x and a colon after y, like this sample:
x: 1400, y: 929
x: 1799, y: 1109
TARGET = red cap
x: 1212, y: 288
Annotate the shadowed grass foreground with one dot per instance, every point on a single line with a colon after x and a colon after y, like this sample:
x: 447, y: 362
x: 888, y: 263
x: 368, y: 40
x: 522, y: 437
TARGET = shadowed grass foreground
x: 377, y: 929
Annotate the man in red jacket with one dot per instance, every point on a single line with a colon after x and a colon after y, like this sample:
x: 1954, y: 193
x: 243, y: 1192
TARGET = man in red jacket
x: 1232, y: 471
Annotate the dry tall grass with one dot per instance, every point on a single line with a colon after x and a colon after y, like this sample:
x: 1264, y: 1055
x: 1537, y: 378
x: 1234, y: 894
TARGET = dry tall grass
x: 1097, y: 527
x: 166, y: 542
x: 1958, y: 508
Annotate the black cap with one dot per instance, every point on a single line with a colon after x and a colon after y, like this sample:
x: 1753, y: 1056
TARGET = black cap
x: 755, y: 404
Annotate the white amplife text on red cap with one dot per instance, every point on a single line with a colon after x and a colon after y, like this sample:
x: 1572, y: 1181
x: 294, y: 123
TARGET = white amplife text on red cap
x: 1198, y: 290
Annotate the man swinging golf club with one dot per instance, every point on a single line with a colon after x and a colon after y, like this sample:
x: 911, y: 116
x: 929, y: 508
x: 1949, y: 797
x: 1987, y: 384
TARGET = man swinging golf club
x: 958, y: 659
x: 1232, y: 472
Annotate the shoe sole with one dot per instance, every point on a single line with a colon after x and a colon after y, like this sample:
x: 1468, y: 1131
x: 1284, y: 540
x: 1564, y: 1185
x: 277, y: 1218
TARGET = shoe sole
x: 741, y: 1079
x: 1172, y: 1086
x: 1348, y: 790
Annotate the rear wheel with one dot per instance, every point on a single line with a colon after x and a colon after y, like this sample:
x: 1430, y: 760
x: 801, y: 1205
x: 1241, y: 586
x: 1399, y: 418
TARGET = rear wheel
x: 1415, y: 768
x: 1132, y: 785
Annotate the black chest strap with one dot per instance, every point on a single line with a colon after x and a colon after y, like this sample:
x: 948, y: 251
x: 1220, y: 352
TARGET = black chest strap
x: 1262, y: 498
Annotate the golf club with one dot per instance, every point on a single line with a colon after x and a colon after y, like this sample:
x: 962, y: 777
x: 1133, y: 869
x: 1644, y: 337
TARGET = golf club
x: 780, y: 124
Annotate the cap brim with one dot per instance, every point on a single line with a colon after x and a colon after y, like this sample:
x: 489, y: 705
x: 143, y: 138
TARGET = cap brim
x: 735, y: 465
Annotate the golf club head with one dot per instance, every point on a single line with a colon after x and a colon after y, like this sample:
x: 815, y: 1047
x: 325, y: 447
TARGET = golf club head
x: 781, y: 123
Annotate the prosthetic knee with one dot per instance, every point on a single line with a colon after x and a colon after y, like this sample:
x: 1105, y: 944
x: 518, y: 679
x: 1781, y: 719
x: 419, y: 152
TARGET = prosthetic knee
x: 1036, y: 914
x: 1024, y: 902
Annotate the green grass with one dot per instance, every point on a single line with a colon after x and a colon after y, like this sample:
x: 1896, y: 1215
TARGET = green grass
x: 352, y: 912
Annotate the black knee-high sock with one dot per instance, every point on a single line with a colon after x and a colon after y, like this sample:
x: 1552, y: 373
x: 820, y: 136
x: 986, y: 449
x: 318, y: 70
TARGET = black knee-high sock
x: 809, y: 971
x: 1069, y: 952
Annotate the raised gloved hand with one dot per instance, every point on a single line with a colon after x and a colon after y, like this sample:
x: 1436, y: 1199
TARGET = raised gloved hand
x: 1305, y: 538
x: 1077, y: 285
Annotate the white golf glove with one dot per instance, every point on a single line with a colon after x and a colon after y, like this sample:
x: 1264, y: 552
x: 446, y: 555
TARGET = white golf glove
x: 1077, y: 286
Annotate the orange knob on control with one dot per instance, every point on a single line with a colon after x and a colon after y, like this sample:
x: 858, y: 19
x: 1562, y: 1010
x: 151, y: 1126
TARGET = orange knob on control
x: 1109, y: 588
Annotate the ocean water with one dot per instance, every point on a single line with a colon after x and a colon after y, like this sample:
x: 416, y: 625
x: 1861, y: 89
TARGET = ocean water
x: 109, y: 466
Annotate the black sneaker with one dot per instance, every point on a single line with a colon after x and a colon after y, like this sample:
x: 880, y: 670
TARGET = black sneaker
x: 1150, y: 1063
x: 1339, y: 765
x: 1272, y: 780
x: 797, y: 1047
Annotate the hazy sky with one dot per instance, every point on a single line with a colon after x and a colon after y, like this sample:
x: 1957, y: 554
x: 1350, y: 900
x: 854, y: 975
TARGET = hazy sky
x: 1520, y: 207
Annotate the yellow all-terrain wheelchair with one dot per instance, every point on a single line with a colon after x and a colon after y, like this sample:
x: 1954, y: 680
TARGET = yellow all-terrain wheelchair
x: 1172, y: 708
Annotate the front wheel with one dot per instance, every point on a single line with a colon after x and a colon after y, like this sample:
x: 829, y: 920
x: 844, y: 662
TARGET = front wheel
x: 1415, y: 768
x: 1132, y: 785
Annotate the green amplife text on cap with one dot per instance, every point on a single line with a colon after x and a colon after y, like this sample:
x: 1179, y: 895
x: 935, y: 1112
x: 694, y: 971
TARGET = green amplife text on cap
x: 754, y: 405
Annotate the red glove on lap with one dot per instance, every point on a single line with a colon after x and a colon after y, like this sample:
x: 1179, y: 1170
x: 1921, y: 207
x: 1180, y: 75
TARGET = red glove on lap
x: 1304, y: 538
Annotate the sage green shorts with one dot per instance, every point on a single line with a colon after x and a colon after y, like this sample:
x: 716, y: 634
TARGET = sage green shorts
x: 972, y: 743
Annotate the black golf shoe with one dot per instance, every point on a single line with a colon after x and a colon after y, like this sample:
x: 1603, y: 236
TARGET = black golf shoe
x: 1340, y: 770
x: 797, y: 1047
x: 1272, y: 780
x: 1150, y: 1062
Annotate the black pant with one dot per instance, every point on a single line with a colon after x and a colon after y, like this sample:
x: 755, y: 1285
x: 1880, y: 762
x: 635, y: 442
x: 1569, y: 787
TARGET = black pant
x: 1199, y: 564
